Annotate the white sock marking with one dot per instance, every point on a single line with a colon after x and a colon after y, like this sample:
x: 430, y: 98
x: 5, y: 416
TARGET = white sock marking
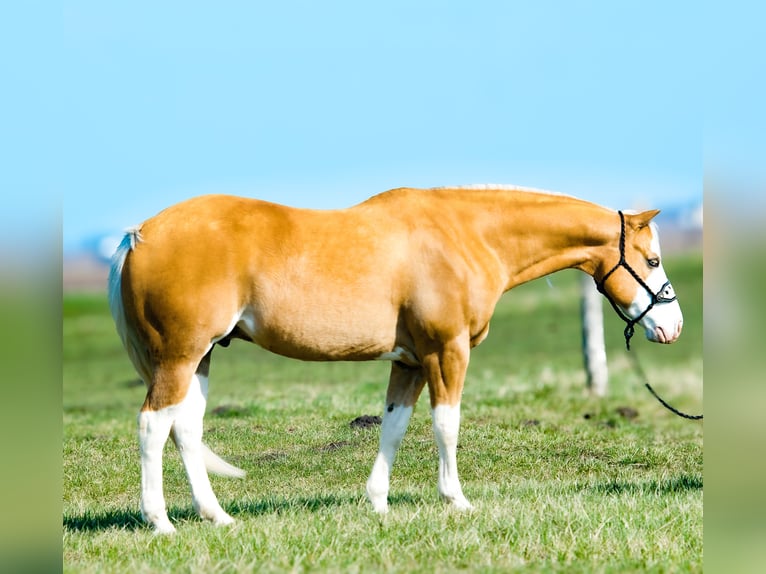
x: 187, y: 430
x: 185, y: 421
x: 153, y: 431
x: 446, y: 424
x: 392, y: 430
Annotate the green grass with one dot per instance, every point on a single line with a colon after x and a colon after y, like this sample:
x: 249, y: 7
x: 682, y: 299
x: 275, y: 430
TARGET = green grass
x: 560, y: 481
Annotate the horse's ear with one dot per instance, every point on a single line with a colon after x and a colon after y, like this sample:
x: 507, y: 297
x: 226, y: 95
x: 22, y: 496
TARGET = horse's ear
x: 641, y: 220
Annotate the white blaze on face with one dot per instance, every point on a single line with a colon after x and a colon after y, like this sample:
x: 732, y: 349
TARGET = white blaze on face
x: 663, y: 323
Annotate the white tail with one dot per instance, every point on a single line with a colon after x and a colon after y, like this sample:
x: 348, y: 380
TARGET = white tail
x: 217, y: 465
x: 136, y: 350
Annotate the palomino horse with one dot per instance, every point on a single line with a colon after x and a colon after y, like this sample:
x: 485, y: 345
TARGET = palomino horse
x: 409, y: 276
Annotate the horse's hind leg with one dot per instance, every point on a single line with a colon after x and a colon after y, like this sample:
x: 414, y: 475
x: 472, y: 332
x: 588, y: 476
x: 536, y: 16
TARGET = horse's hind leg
x: 404, y: 388
x: 187, y: 434
x: 175, y: 403
x: 154, y: 424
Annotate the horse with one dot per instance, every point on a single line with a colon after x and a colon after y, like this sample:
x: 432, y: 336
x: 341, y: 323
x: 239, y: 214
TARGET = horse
x: 410, y: 276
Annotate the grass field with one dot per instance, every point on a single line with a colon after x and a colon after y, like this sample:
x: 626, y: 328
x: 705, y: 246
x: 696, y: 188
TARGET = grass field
x: 560, y: 481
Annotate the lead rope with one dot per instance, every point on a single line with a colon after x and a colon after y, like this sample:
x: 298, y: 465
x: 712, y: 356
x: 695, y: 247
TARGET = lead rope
x: 658, y: 297
x: 637, y: 365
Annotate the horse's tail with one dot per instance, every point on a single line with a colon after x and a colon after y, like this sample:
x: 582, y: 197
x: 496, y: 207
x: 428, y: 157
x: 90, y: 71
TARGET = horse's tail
x: 216, y: 465
x: 137, y: 351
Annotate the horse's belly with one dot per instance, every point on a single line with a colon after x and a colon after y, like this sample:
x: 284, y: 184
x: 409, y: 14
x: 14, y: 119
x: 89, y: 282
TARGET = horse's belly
x: 321, y: 335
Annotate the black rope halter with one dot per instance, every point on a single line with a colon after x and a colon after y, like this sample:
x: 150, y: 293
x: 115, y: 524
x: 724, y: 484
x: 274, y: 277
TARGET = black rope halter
x: 664, y: 295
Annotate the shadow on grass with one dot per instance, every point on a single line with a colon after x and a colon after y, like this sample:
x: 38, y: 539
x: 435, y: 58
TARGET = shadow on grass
x: 679, y: 484
x: 278, y: 505
x: 131, y: 520
x: 119, y: 519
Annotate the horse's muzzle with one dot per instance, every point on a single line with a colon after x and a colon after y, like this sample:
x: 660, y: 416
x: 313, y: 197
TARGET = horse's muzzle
x: 665, y: 334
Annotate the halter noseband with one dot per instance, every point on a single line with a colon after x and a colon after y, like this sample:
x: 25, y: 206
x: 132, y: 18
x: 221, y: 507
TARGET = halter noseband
x: 655, y: 298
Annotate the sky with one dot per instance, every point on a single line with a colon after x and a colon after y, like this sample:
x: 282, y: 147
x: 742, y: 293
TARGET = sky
x: 323, y: 104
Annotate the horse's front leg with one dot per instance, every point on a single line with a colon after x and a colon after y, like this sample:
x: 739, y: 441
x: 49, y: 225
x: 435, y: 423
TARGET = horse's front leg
x: 445, y: 370
x: 404, y: 387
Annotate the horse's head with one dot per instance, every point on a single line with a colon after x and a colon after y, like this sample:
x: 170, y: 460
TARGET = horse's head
x: 632, y: 278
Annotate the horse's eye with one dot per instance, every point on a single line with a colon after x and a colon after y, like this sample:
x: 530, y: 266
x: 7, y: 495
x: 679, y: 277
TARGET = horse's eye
x: 653, y: 262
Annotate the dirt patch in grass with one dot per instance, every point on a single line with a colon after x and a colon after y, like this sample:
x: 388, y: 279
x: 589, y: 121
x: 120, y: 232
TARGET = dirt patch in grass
x: 333, y: 446
x: 365, y: 422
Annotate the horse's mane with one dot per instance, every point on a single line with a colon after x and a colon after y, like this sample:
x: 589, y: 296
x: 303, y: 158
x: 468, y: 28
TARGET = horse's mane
x: 503, y: 187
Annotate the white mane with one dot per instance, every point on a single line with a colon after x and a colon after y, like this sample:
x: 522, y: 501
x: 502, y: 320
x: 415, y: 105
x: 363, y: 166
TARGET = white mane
x: 503, y: 186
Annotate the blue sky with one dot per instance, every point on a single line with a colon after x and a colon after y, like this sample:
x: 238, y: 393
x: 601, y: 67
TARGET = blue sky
x: 322, y: 104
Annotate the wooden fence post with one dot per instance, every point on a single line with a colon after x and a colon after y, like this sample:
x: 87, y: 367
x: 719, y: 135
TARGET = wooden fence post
x: 593, y: 346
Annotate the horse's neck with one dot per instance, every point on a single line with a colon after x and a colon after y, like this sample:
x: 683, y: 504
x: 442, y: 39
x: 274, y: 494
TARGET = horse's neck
x: 534, y: 234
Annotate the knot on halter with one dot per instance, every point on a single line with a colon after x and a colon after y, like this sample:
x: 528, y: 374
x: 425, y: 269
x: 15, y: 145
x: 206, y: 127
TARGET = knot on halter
x: 654, y: 298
